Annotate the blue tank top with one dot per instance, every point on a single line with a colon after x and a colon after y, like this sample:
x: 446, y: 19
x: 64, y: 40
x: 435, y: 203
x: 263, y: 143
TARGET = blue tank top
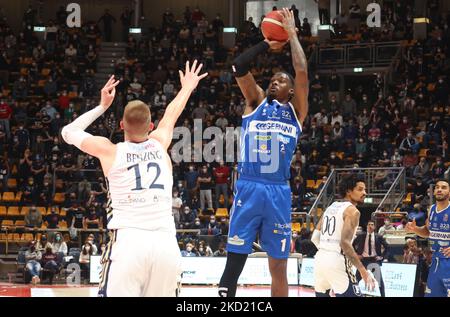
x: 268, y: 141
x: 439, y: 230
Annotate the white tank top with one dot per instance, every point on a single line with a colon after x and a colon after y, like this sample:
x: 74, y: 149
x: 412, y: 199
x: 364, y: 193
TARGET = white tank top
x: 140, y: 188
x: 332, y: 224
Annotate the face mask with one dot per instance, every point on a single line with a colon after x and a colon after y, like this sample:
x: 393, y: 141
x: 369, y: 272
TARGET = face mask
x: 212, y: 222
x: 200, y: 249
x: 191, y: 168
x: 58, y: 238
x: 333, y: 157
x: 186, y: 212
x: 188, y: 249
x: 294, y: 235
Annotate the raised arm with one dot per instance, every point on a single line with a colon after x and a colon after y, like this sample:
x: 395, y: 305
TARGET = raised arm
x: 74, y: 133
x: 300, y: 63
x: 253, y: 93
x: 351, y: 221
x: 189, y: 81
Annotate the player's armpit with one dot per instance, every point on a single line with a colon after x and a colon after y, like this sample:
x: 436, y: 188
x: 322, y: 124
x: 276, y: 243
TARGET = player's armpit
x: 98, y: 146
x: 163, y: 135
x: 253, y: 94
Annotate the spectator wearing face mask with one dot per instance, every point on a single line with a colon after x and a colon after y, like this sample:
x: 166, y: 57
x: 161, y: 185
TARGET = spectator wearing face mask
x: 33, y: 258
x: 49, y: 263
x: 221, y: 176
x: 52, y: 219
x: 29, y: 192
x: 59, y: 245
x: 221, y: 252
x: 189, y: 251
x: 85, y: 259
x: 212, y: 227
x: 91, y: 240
x: 191, y: 177
x: 176, y: 207
x: 205, y: 185
x: 387, y: 226
x: 223, y: 226
x: 33, y: 218
x: 187, y: 218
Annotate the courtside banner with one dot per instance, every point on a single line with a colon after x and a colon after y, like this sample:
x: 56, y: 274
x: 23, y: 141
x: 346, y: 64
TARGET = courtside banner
x: 208, y: 270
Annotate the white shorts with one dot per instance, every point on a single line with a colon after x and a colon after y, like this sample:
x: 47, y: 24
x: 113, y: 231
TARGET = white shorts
x: 333, y: 271
x: 140, y: 263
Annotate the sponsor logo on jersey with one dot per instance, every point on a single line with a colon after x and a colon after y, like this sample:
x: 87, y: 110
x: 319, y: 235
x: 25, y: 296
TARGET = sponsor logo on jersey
x: 263, y: 137
x: 286, y: 115
x: 132, y: 200
x: 444, y: 226
x: 235, y: 240
x: 283, y: 139
x: 262, y: 149
x: 264, y: 113
x: 445, y: 217
x: 282, y: 226
x: 273, y: 127
x: 437, y: 235
x: 356, y: 290
x: 284, y: 233
x: 239, y: 203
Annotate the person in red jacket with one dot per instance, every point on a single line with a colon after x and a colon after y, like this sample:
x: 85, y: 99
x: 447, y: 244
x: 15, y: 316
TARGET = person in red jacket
x: 5, y: 116
x: 221, y: 175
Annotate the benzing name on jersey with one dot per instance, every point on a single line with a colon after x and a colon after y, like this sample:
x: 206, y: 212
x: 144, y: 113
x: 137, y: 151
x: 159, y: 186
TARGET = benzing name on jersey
x: 273, y: 127
x: 440, y: 235
x: 142, y: 157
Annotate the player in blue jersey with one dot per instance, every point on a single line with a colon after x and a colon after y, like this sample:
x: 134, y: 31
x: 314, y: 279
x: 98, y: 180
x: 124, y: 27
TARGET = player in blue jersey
x: 271, y: 127
x: 437, y: 230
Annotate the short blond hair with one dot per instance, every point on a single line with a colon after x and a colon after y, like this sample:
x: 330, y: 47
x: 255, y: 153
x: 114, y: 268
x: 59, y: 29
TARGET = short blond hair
x: 137, y: 118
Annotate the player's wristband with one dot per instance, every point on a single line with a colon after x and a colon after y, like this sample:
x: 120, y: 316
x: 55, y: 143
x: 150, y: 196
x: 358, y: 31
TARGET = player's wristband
x: 242, y: 62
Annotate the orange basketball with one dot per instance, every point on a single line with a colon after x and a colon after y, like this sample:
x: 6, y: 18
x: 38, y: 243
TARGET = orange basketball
x: 272, y: 27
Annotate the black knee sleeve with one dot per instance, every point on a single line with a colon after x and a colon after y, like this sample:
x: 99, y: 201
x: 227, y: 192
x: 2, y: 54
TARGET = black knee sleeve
x: 233, y: 269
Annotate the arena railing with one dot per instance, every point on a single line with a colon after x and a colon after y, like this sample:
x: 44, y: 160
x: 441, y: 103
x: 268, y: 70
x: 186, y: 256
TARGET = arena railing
x: 329, y: 193
x: 396, y: 193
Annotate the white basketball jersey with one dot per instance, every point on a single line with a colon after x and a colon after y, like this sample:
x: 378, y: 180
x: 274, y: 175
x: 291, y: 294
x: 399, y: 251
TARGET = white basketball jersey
x: 332, y: 224
x: 140, y: 188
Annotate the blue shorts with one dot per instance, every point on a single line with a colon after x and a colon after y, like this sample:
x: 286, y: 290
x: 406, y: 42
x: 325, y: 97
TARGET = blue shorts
x: 438, y: 283
x: 260, y: 207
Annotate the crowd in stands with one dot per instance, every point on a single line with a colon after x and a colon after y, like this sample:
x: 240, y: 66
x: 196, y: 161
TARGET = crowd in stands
x: 45, y: 84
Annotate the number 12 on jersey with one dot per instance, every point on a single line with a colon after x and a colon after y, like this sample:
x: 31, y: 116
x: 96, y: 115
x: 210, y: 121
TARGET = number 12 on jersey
x: 137, y: 172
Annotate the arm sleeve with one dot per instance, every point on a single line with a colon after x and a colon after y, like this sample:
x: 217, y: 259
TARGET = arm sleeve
x: 74, y: 133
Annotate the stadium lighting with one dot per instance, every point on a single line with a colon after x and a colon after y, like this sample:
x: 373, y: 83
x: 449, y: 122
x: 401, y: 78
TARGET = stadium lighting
x: 136, y: 30
x: 421, y: 20
x: 39, y: 29
x: 229, y: 30
x: 358, y: 70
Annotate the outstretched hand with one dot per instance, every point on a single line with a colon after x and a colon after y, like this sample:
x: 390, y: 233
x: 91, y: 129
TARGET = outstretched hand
x: 288, y: 20
x: 191, y: 77
x: 108, y: 92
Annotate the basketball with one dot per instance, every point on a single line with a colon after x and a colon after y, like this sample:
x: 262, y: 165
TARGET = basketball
x: 272, y: 27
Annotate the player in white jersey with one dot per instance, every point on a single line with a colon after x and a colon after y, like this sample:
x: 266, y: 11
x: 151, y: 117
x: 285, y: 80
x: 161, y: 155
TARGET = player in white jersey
x: 333, y: 237
x: 142, y: 257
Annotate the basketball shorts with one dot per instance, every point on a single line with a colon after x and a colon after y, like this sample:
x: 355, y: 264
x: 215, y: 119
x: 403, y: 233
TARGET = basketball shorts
x: 262, y: 208
x: 333, y: 271
x: 140, y: 263
x: 438, y: 283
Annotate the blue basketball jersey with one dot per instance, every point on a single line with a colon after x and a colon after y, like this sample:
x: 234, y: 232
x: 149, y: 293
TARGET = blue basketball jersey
x: 439, y: 230
x: 268, y: 141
